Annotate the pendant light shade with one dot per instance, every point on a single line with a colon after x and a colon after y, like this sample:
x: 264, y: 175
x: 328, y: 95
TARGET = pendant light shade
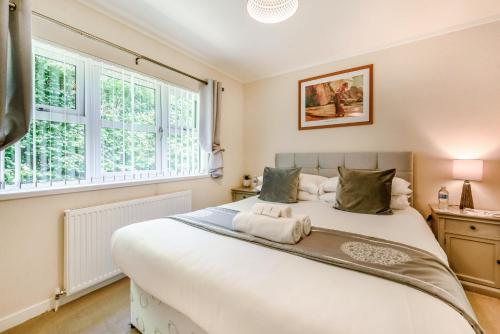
x: 272, y: 11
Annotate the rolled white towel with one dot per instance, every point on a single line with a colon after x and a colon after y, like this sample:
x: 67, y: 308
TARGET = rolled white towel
x: 305, y: 221
x: 282, y: 230
x: 272, y: 210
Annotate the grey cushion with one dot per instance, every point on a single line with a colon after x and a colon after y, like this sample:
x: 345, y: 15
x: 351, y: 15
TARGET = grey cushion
x: 280, y: 185
x: 365, y: 191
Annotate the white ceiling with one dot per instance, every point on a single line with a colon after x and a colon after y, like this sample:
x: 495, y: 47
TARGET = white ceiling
x: 220, y: 33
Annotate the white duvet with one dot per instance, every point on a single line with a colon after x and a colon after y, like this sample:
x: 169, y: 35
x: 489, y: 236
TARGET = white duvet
x: 228, y: 286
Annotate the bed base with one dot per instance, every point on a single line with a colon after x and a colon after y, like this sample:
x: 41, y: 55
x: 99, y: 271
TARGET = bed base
x: 149, y: 315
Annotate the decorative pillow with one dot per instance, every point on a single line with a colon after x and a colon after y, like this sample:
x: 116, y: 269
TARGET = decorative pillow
x: 399, y: 202
x: 329, y: 186
x: 400, y: 187
x: 328, y: 197
x: 280, y: 185
x: 306, y: 196
x: 310, y: 183
x: 364, y: 191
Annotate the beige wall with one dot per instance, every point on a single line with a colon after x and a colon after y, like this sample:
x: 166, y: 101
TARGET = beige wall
x: 31, y: 234
x: 438, y: 97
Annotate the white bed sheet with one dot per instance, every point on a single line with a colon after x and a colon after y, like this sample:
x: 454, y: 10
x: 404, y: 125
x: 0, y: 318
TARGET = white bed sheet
x: 228, y: 286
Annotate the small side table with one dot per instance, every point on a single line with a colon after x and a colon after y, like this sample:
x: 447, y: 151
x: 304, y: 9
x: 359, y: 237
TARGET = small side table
x: 472, y: 243
x: 243, y: 192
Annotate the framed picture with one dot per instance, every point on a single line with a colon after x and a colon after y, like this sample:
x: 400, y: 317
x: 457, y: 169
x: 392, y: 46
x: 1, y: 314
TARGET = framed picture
x: 343, y: 98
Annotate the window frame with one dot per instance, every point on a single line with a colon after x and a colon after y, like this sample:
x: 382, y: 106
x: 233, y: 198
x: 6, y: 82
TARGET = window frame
x: 42, y: 112
x: 51, y: 53
x: 87, y: 112
x: 101, y: 124
x: 57, y: 114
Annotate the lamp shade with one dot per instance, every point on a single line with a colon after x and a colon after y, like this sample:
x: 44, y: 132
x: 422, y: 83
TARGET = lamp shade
x: 272, y: 11
x: 471, y: 170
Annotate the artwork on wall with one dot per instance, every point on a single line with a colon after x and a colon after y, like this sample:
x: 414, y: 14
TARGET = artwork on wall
x: 342, y: 98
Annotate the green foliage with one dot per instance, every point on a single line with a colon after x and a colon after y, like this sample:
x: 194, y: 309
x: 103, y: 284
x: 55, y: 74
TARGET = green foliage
x: 126, y: 151
x: 55, y: 83
x: 182, y: 139
x: 116, y: 100
x: 56, y: 150
x: 9, y: 172
x: 60, y: 153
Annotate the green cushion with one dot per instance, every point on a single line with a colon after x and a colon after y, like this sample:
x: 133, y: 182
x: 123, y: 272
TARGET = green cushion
x: 365, y: 191
x: 280, y: 185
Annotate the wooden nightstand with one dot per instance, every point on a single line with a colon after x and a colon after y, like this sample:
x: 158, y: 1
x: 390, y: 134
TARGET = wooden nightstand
x: 472, y: 243
x: 243, y: 192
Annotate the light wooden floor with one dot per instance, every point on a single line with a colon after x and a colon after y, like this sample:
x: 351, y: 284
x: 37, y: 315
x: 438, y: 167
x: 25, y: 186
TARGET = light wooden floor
x: 106, y: 311
x: 487, y: 310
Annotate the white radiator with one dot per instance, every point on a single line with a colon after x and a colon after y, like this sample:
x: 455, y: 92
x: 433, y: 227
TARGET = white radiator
x: 87, y: 235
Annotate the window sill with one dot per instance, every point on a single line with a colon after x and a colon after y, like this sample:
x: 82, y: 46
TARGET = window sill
x: 27, y: 193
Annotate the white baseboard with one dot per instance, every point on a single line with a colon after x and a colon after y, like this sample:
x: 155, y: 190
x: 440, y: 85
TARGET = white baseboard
x: 21, y: 316
x: 79, y: 294
x: 32, y: 311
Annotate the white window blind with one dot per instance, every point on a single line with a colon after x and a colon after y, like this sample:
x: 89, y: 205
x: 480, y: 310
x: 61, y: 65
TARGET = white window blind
x: 95, y: 122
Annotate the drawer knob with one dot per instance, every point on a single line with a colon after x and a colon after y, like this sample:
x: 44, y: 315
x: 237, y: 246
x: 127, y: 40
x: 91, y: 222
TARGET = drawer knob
x: 472, y: 227
x: 498, y: 261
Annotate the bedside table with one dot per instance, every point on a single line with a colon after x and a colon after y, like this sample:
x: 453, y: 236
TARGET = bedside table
x: 243, y: 192
x: 472, y: 244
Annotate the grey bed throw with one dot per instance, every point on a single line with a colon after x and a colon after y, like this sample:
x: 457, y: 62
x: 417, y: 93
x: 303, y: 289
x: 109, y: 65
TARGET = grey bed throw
x: 15, y: 71
x: 389, y: 260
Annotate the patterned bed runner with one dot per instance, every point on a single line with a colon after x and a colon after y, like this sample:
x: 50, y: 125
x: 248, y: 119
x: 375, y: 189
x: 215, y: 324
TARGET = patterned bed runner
x: 393, y: 261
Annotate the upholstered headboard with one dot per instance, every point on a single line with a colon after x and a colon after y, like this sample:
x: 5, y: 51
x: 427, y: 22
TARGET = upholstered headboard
x: 326, y: 164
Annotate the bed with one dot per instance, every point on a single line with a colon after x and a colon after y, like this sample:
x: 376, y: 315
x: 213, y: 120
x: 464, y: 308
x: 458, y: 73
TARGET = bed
x: 186, y: 280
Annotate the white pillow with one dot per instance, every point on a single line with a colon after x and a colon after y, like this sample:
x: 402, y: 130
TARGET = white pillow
x: 307, y: 183
x: 305, y: 196
x: 310, y: 183
x: 400, y: 187
x: 329, y: 185
x: 399, y: 202
x: 329, y: 198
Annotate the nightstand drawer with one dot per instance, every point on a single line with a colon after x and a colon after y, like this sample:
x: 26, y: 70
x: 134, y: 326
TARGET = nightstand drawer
x: 472, y: 229
x: 241, y: 193
x: 240, y: 196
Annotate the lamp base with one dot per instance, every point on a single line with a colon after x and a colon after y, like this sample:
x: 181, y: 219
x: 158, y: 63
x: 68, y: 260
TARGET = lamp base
x: 466, y: 201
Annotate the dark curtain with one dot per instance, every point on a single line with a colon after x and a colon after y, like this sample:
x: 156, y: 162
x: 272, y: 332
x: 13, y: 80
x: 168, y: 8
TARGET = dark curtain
x: 16, y: 89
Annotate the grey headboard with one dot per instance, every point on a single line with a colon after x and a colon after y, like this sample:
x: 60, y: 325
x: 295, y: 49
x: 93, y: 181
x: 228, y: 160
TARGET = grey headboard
x: 326, y: 164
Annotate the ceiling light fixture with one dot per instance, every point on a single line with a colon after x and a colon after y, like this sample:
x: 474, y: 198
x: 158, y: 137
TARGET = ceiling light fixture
x: 272, y: 11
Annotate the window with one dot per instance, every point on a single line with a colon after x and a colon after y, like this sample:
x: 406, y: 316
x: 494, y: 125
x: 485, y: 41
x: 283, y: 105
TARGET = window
x: 94, y: 122
x: 130, y: 110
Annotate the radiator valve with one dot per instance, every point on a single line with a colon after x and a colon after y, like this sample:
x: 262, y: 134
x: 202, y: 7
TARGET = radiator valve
x: 58, y: 293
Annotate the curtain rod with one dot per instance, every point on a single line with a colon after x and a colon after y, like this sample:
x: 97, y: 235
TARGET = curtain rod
x: 138, y: 56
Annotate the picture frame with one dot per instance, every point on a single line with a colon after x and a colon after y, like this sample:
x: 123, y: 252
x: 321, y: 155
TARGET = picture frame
x: 342, y: 98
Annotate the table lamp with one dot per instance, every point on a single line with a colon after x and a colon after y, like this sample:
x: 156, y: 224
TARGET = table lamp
x: 467, y: 170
